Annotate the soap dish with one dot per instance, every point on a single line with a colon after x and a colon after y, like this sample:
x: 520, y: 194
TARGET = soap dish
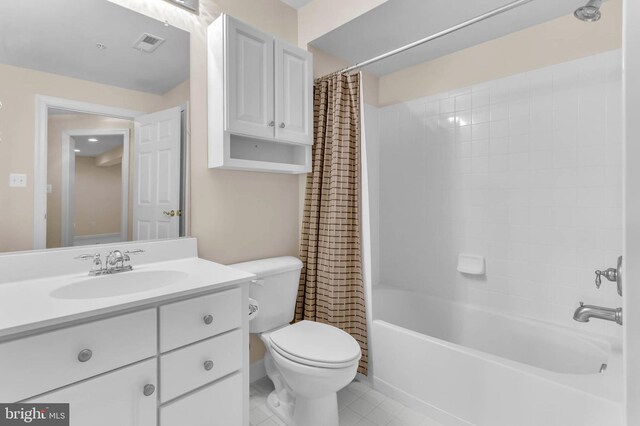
x: 471, y: 264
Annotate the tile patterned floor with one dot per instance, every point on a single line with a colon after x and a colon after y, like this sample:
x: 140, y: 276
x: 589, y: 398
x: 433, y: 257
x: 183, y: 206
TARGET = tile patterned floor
x: 359, y: 405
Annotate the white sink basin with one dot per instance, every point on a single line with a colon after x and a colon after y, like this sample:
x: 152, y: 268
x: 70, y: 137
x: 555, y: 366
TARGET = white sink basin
x: 118, y: 284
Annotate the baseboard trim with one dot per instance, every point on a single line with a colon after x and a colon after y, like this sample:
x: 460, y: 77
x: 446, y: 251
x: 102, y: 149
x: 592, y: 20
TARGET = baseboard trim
x: 418, y: 405
x: 257, y: 371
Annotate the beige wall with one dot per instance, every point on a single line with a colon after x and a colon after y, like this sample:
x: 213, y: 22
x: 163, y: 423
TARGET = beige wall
x: 175, y: 97
x: 98, y: 197
x: 552, y: 42
x: 58, y: 124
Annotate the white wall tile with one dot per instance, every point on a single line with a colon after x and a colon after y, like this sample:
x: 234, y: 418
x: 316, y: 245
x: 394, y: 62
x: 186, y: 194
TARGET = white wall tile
x: 525, y: 170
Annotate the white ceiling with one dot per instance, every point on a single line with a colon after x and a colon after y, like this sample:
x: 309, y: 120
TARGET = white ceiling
x: 296, y: 4
x: 60, y: 36
x: 396, y: 23
x: 92, y: 149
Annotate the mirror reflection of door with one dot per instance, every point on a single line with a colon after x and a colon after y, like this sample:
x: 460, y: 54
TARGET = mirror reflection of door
x: 88, y: 179
x: 157, y: 210
x: 112, y: 179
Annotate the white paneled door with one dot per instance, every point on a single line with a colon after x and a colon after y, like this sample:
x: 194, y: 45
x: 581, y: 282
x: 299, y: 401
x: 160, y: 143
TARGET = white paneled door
x: 156, y: 191
x: 250, y: 70
x: 293, y: 70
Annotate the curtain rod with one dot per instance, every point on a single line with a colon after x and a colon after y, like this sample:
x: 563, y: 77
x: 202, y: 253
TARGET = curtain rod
x: 490, y: 14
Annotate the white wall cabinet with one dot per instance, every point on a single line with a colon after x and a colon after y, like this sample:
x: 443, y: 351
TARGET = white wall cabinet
x: 250, y: 107
x: 294, y: 89
x: 260, y: 100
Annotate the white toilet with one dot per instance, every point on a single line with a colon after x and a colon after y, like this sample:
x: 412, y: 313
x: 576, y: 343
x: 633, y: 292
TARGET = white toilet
x: 308, y: 362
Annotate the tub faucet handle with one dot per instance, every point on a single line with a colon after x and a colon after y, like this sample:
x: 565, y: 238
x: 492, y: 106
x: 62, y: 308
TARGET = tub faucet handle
x: 611, y: 274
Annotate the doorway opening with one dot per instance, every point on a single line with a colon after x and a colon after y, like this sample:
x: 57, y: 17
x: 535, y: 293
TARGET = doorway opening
x: 105, y: 175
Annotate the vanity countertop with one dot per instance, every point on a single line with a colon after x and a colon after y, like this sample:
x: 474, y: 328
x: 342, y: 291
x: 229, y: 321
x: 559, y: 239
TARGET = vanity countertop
x: 31, y: 304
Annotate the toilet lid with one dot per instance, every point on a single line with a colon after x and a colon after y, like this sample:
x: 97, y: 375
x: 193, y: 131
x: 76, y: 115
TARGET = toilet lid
x: 315, y: 343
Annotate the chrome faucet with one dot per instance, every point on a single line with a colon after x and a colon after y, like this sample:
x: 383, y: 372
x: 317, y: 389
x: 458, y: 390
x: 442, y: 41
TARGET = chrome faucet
x: 114, y: 263
x: 586, y: 312
x: 116, y: 257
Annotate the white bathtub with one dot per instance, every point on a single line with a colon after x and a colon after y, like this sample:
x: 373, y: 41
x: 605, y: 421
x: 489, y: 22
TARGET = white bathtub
x: 463, y: 365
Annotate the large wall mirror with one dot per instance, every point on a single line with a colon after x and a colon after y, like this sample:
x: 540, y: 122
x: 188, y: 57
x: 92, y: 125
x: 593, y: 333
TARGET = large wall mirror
x: 93, y: 125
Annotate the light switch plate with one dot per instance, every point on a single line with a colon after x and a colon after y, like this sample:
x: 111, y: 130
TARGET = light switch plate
x: 17, y: 180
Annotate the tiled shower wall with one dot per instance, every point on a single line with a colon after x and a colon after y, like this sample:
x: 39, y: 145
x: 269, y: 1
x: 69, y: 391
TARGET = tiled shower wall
x: 526, y: 171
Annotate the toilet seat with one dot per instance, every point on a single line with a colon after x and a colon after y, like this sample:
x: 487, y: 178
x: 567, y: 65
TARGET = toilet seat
x: 316, y: 345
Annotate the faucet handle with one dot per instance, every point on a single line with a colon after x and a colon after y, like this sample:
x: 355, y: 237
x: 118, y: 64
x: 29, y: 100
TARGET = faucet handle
x: 88, y: 256
x: 97, y: 262
x: 611, y: 274
x: 134, y: 251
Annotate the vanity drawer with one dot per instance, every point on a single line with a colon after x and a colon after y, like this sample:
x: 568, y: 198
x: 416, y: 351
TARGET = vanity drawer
x: 194, y: 366
x: 196, y: 319
x: 37, y: 364
x: 219, y: 404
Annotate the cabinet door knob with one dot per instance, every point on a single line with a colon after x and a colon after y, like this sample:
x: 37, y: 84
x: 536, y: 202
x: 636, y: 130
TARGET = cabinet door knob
x: 85, y: 355
x: 148, y: 390
x: 272, y: 123
x: 208, y: 365
x: 208, y: 319
x: 282, y: 125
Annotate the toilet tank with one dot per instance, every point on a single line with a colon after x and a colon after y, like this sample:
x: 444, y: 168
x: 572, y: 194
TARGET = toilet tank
x: 275, y: 289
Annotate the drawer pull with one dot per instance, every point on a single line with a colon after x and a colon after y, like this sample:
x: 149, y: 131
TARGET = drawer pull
x: 85, y: 355
x: 208, y: 319
x: 148, y: 390
x: 208, y: 365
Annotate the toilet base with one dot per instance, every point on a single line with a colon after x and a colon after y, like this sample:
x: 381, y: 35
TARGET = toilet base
x: 282, y: 410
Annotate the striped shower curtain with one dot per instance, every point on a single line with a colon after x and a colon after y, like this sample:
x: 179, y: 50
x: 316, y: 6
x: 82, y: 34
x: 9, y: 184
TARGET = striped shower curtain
x: 331, y: 285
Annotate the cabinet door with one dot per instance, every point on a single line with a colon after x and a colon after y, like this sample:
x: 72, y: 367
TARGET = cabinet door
x: 112, y: 399
x: 294, y: 92
x: 250, y: 80
x: 219, y: 404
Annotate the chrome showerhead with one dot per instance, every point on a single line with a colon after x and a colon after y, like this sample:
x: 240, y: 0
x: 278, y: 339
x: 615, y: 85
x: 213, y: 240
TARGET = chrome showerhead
x: 589, y: 12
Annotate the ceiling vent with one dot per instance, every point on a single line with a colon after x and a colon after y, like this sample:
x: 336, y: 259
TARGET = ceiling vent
x: 148, y: 43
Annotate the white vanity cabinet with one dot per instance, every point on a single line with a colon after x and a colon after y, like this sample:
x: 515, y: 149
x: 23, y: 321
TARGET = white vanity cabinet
x: 260, y: 100
x: 186, y: 359
x: 68, y: 355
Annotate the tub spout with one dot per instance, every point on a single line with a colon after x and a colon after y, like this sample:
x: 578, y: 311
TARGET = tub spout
x: 586, y: 312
